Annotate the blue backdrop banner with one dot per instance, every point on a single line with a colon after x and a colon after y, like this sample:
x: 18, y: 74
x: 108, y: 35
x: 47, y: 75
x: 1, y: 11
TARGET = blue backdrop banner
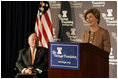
x: 65, y: 55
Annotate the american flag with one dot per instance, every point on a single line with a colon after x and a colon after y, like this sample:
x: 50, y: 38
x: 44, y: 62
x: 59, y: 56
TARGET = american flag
x: 43, y: 25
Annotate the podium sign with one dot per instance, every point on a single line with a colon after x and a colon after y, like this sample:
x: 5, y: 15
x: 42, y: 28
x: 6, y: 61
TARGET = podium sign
x: 64, y: 55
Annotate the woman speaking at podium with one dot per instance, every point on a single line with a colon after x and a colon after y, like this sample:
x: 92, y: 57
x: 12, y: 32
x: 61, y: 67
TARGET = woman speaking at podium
x: 96, y: 35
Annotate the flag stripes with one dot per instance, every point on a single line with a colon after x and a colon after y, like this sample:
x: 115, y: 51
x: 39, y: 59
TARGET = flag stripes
x: 43, y: 25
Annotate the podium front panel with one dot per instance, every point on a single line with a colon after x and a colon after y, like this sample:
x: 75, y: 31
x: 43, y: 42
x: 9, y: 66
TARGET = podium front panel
x: 65, y: 55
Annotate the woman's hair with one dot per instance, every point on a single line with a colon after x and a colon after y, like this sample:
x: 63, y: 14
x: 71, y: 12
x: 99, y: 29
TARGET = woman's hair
x: 95, y: 12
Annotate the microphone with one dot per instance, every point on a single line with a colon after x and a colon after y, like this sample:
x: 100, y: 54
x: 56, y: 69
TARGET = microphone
x: 89, y: 36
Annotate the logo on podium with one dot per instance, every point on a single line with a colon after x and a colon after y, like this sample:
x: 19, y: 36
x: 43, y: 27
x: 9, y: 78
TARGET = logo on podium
x: 64, y: 55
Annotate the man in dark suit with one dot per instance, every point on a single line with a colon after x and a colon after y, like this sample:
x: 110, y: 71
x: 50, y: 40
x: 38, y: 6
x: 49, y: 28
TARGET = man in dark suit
x: 33, y: 59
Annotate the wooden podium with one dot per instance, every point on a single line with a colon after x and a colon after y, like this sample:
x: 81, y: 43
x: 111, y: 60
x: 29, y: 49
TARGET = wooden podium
x: 94, y: 63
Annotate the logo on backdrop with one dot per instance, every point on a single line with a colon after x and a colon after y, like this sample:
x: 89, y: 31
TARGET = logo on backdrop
x: 109, y: 18
x: 55, y: 36
x: 76, y: 4
x: 66, y: 22
x: 64, y: 19
x: 54, y: 4
x: 72, y: 35
x: 112, y: 60
x: 98, y: 3
x: 114, y: 35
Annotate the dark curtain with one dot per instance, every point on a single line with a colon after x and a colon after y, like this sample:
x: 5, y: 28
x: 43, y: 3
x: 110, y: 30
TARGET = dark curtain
x: 17, y: 23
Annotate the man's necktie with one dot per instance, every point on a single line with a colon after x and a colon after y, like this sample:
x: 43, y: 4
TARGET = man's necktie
x: 33, y: 56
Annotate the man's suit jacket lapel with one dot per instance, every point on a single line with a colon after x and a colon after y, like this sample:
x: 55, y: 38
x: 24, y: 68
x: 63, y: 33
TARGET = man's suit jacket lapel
x: 29, y: 56
x: 37, y: 56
